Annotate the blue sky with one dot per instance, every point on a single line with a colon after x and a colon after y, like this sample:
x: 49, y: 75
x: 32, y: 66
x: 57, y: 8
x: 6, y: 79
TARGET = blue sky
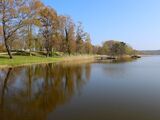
x: 136, y: 22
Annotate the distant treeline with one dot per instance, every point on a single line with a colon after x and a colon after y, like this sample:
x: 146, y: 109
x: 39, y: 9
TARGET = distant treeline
x: 149, y: 52
x: 29, y: 25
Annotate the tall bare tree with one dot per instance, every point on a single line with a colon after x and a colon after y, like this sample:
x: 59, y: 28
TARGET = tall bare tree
x: 48, y: 18
x: 34, y: 7
x: 80, y: 37
x: 69, y: 35
x: 88, y: 45
x: 12, y: 17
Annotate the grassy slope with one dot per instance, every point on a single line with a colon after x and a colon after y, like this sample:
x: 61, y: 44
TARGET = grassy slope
x: 27, y: 60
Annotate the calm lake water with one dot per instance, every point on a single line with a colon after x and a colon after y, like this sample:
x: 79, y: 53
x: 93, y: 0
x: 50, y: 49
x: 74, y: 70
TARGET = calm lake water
x: 82, y: 91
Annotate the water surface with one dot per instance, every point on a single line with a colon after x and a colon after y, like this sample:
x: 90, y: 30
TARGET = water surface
x: 82, y: 91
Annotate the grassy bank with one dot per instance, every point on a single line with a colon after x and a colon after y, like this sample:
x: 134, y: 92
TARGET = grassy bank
x: 28, y: 60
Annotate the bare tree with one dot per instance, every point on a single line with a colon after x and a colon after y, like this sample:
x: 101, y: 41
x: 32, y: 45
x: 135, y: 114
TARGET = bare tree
x: 48, y: 18
x: 88, y: 45
x: 12, y: 17
x: 69, y: 35
x: 34, y: 7
x: 80, y: 37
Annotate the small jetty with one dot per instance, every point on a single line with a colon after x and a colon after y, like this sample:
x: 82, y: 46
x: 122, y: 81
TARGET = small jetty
x: 106, y: 57
x: 114, y: 58
x: 135, y: 56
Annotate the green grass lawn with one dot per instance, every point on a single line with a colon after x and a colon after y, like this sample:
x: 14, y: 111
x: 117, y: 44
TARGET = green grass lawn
x: 25, y: 60
x: 21, y: 60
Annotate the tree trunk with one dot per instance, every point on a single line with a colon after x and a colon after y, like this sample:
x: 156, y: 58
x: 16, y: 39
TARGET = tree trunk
x: 47, y: 46
x: 30, y: 38
x: 8, y: 49
x: 47, y: 54
x: 5, y: 41
x: 68, y: 49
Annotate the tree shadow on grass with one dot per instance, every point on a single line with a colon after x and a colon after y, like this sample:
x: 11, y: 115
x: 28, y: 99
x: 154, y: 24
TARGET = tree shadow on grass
x: 4, y: 57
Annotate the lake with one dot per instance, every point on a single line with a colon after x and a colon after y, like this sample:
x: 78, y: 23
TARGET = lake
x: 82, y: 91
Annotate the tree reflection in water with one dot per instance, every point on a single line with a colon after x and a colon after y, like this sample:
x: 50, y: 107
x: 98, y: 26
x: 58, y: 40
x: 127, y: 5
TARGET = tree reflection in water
x: 31, y: 93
